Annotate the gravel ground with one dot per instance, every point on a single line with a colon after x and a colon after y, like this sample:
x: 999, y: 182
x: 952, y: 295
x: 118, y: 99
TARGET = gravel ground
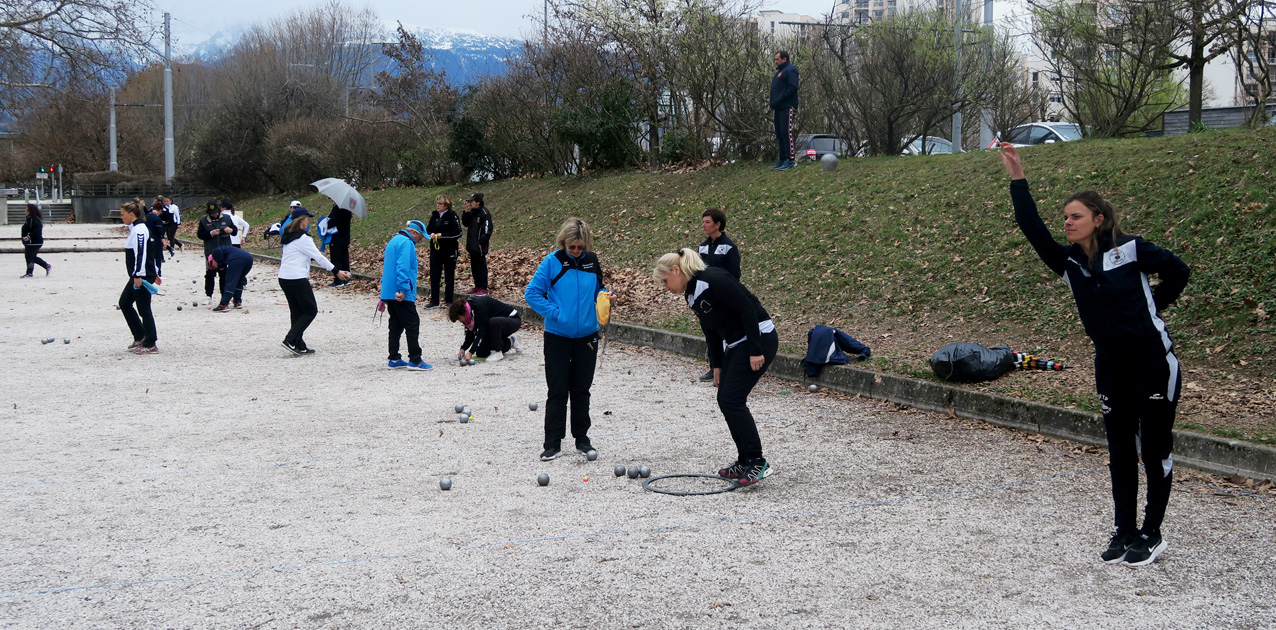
x: 224, y: 483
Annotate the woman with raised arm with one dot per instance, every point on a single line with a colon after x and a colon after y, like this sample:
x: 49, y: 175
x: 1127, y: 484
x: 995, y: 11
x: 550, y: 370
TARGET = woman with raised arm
x: 1135, y: 370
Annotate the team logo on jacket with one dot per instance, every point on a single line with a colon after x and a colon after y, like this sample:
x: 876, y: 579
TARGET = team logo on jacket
x: 704, y: 306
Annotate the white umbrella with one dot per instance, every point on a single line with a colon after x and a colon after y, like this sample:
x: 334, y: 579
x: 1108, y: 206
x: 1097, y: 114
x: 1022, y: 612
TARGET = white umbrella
x: 343, y: 195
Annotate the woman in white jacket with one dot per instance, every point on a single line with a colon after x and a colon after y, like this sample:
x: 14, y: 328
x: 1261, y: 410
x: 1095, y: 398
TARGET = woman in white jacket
x: 294, y: 277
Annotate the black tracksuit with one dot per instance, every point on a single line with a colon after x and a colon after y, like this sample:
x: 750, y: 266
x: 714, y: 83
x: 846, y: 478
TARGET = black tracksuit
x: 339, y: 244
x: 736, y: 327
x: 141, y: 264
x: 1135, y: 369
x: 479, y: 222
x: 155, y: 225
x: 721, y: 253
x: 443, y: 252
x: 784, y: 100
x: 494, y: 322
x: 235, y: 263
x: 211, y: 242
x: 33, y: 233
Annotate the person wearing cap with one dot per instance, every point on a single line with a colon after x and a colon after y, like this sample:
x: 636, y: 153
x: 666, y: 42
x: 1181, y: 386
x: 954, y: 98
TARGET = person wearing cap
x: 241, y: 226
x: 215, y: 229
x: 444, y: 231
x: 235, y: 263
x: 398, y: 293
x: 339, y: 242
x: 33, y: 240
x: 298, y: 249
x: 479, y: 221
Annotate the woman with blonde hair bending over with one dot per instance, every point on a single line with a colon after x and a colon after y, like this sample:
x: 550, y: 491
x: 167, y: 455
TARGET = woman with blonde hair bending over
x: 742, y: 344
x: 565, y: 290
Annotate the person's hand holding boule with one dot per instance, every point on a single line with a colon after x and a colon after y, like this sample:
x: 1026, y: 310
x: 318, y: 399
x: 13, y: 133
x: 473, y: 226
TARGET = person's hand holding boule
x: 398, y: 297
x: 343, y: 275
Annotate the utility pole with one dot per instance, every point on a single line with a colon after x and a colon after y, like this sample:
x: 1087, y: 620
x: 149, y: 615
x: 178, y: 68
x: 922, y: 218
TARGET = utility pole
x: 985, y: 116
x: 957, y: 34
x: 546, y: 24
x: 169, y: 161
x: 115, y: 162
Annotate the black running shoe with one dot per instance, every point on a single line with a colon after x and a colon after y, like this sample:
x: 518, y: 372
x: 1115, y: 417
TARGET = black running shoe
x: 291, y: 348
x: 734, y: 471
x: 1145, y: 550
x: 755, y: 472
x: 584, y: 446
x: 1117, y: 547
x: 551, y: 453
x: 707, y: 377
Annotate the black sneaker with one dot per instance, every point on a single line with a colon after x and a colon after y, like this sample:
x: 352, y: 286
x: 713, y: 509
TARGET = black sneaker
x: 1145, y: 550
x: 755, y: 472
x: 1117, y: 547
x: 707, y: 377
x: 306, y: 351
x: 291, y: 348
x: 221, y: 308
x: 584, y: 447
x: 551, y: 453
x: 734, y: 471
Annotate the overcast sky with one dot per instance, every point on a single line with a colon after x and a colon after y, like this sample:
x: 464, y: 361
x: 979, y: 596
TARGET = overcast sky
x: 195, y: 21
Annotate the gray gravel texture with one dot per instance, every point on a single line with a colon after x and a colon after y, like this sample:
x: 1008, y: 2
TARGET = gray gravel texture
x: 227, y: 484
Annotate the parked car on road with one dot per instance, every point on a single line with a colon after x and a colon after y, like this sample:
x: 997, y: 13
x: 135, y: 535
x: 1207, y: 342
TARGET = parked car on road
x: 1040, y: 133
x: 813, y: 146
x: 928, y: 145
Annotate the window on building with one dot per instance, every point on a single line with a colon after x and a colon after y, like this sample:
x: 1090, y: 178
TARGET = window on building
x: 890, y: 12
x: 773, y: 28
x: 877, y: 14
x: 1035, y: 77
x: 1056, y: 98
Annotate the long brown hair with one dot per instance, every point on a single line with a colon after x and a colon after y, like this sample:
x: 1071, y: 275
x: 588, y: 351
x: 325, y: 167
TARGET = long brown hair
x: 1110, y: 227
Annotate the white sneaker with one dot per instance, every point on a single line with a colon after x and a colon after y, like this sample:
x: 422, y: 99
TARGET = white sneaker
x: 208, y: 301
x: 514, y: 344
x: 495, y: 356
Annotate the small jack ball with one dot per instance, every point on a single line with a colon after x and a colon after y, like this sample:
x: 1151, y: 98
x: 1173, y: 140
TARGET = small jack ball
x: 531, y: 406
x: 644, y: 472
x: 620, y: 471
x: 543, y: 479
x: 813, y: 388
x: 459, y: 408
x: 591, y: 455
x: 633, y: 472
x: 445, y: 484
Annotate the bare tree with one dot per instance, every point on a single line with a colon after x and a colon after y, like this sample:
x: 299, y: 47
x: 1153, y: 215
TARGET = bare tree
x: 54, y: 44
x: 1253, y: 53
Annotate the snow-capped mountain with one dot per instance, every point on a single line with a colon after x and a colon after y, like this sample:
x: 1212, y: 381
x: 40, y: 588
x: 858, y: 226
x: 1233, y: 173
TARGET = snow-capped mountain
x: 466, y: 56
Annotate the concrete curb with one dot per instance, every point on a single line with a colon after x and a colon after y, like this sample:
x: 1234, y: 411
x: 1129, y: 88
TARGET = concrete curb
x: 1194, y: 450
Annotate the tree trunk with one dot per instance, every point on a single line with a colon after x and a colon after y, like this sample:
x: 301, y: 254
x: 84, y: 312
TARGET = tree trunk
x: 1196, y: 67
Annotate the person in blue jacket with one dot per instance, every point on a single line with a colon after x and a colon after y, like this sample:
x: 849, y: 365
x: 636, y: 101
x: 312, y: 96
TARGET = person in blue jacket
x: 564, y: 290
x: 398, y: 292
x: 1135, y: 369
x: 784, y: 100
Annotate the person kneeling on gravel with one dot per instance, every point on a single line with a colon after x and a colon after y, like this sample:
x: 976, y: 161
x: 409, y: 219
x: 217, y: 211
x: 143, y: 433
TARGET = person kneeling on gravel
x: 490, y: 325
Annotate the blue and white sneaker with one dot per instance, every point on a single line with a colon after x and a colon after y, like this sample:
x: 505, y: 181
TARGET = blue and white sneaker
x: 420, y: 366
x: 397, y: 363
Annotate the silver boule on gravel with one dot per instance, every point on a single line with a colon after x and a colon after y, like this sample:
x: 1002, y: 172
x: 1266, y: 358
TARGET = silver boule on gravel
x: 591, y: 455
x: 828, y: 162
x: 813, y: 388
x: 471, y: 362
x: 463, y: 418
x: 458, y: 408
x: 633, y: 472
x: 619, y: 470
x: 179, y: 307
x: 445, y: 484
x: 66, y: 340
x: 644, y: 471
x: 531, y: 406
x: 543, y: 479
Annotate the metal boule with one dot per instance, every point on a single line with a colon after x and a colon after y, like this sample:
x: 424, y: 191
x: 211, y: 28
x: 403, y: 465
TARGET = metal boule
x: 543, y: 479
x: 633, y: 472
x: 445, y: 484
x: 644, y: 471
x: 619, y: 470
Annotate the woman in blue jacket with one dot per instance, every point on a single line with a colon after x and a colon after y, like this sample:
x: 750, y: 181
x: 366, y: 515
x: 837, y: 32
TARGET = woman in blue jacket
x: 564, y: 291
x: 1135, y: 369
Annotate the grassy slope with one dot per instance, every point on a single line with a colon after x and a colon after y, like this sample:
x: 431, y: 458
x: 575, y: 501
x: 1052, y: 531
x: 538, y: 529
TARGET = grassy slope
x: 930, y: 246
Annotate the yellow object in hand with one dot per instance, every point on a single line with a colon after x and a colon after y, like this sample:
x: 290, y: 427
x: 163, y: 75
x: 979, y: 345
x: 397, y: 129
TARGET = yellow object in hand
x: 603, y: 304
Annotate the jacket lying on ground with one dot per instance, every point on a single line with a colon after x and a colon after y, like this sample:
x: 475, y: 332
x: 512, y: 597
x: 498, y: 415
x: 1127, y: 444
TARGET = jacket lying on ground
x: 483, y: 309
x: 828, y: 346
x: 1118, y: 308
x: 729, y: 314
x: 399, y: 269
x: 563, y: 291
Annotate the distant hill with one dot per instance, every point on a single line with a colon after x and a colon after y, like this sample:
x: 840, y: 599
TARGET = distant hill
x: 465, y: 56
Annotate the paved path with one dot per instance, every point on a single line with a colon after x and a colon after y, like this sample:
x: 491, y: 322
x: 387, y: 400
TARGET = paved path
x: 225, y: 483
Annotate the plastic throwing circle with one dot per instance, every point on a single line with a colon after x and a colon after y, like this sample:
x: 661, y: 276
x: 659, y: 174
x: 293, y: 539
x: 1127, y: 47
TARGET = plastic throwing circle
x: 732, y: 484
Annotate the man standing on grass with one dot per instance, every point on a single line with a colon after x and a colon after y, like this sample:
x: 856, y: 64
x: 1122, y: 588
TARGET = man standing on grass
x: 784, y: 100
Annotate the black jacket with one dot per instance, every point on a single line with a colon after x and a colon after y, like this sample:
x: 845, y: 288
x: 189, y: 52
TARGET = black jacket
x: 1118, y: 308
x: 448, y: 226
x: 138, y: 257
x: 484, y: 308
x: 212, y: 241
x: 33, y: 227
x: 729, y: 314
x: 479, y: 220
x: 784, y: 87
x: 722, y: 254
x: 339, y: 218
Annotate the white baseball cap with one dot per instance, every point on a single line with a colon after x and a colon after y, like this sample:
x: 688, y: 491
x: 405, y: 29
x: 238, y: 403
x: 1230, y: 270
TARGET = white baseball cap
x: 294, y: 204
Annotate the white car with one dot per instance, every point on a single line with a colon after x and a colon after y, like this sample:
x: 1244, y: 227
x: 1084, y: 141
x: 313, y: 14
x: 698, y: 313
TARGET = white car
x: 1040, y: 133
